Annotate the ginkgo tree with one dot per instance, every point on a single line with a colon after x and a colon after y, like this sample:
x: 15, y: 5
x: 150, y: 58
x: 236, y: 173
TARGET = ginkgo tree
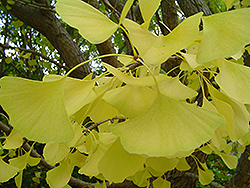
x: 145, y: 122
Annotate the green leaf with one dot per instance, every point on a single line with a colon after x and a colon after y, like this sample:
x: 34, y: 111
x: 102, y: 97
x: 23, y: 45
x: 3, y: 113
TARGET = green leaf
x: 234, y: 80
x: 26, y: 56
x: 224, y: 34
x: 59, y: 176
x: 36, y: 108
x: 11, y: 2
x: 131, y: 101
x: 7, y: 171
x: 162, y: 132
x: 8, y: 60
x: 117, y: 159
x: 91, y: 23
x: 154, y: 50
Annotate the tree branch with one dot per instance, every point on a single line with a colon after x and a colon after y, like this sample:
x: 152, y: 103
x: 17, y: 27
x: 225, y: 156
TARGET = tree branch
x: 6, y: 46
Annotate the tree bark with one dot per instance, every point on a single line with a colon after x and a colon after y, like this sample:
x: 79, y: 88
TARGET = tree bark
x: 241, y: 178
x: 191, y: 7
x: 48, y: 24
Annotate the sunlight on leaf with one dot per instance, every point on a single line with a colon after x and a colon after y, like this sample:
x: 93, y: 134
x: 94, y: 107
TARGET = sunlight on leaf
x: 224, y: 34
x: 21, y: 161
x: 36, y: 108
x: 91, y: 23
x: 117, y: 159
x: 7, y: 171
x: 163, y: 130
x: 234, y: 80
x: 154, y: 50
x: 130, y: 100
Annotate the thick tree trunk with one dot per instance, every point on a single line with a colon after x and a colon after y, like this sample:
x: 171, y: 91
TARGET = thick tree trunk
x: 241, y: 178
x: 47, y: 23
x: 191, y: 7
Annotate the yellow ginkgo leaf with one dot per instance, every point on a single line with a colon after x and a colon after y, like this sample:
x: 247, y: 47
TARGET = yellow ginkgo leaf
x: 7, y: 171
x: 230, y: 160
x: 77, y: 92
x: 183, y: 165
x: 91, y: 23
x: 130, y: 100
x: 148, y: 8
x: 172, y: 87
x: 239, y: 127
x: 163, y: 130
x: 161, y: 183
x: 19, y: 179
x: 117, y: 159
x: 55, y: 152
x: 14, y: 140
x: 234, y: 80
x: 45, y: 118
x: 129, y: 79
x: 205, y: 177
x: 60, y: 176
x: 162, y: 164
x: 90, y: 168
x: 141, y: 177
x: 154, y: 50
x: 125, y: 10
x: 21, y: 161
x: 221, y: 31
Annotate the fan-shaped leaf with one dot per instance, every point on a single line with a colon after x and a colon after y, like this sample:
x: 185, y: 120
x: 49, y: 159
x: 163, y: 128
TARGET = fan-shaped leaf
x: 36, y: 108
x: 91, y: 23
x: 117, y: 159
x: 130, y: 100
x: 234, y: 80
x: 166, y: 128
x: 221, y: 31
x: 154, y: 50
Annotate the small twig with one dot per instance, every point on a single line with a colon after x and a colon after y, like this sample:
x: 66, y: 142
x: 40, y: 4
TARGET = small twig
x: 35, y: 53
x: 91, y: 127
x: 37, y: 5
